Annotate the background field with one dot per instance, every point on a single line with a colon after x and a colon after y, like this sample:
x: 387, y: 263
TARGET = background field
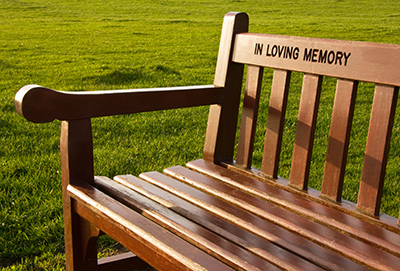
x: 119, y: 44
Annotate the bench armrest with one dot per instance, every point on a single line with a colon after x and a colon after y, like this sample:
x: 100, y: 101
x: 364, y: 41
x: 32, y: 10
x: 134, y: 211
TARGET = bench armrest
x: 39, y: 104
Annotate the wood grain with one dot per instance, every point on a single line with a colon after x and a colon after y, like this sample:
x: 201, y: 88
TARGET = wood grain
x: 305, y: 130
x: 39, y: 104
x: 248, y: 123
x: 339, y: 137
x: 368, y: 62
x: 377, y: 149
x: 275, y: 123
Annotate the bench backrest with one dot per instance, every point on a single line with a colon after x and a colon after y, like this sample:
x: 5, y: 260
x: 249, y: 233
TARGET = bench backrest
x: 349, y: 62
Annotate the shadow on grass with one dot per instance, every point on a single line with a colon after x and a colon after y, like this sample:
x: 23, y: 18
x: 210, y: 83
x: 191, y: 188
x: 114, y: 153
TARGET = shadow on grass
x: 5, y: 65
x: 132, y: 75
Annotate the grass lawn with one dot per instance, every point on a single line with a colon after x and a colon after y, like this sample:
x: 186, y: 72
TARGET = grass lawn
x: 120, y: 44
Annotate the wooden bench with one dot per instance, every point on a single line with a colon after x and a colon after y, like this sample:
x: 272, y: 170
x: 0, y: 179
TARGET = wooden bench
x: 219, y: 213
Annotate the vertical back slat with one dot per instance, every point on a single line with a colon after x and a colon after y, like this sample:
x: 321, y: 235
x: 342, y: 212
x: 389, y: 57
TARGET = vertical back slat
x: 306, y: 123
x: 276, y: 119
x: 249, y: 116
x: 377, y: 149
x: 339, y: 135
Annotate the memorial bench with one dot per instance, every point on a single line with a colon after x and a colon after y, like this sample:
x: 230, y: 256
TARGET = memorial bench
x: 220, y: 213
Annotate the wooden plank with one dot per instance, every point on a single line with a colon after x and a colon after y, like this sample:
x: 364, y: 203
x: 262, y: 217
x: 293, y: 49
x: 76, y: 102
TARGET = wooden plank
x: 222, y: 122
x: 255, y: 234
x: 276, y: 119
x: 234, y: 23
x: 297, y: 203
x: 384, y: 221
x: 272, y: 214
x: 146, y: 239
x: 76, y: 148
x: 259, y: 225
x: 249, y: 116
x: 39, y: 104
x: 80, y: 236
x: 304, y: 138
x: 339, y: 136
x: 255, y: 244
x: 361, y: 61
x: 365, y: 254
x: 222, y: 249
x: 377, y: 149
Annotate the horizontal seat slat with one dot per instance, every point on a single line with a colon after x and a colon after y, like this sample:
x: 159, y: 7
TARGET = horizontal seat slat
x: 201, y: 237
x: 150, y: 241
x: 257, y: 245
x: 341, y: 221
x: 250, y: 222
x: 383, y: 221
x: 284, y: 217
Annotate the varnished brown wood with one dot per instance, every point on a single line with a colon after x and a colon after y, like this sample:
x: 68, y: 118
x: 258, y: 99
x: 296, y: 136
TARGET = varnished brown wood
x: 39, y: 104
x: 234, y: 23
x: 150, y: 241
x: 275, y: 215
x: 339, y: 137
x: 347, y: 207
x: 276, y: 119
x: 222, y: 121
x: 249, y: 116
x: 77, y: 167
x: 306, y: 123
x: 252, y: 242
x: 377, y: 149
x: 321, y: 213
x: 367, y: 254
x: 201, y: 237
x: 218, y: 216
x: 282, y: 238
x: 364, y: 60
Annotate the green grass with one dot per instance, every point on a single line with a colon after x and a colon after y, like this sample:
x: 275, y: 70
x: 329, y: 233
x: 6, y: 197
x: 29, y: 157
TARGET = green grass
x: 97, y: 45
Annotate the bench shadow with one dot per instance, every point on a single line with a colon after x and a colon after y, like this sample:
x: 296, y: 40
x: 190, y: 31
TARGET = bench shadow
x: 131, y: 75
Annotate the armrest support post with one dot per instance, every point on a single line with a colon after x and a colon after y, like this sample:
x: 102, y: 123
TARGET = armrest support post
x: 77, y: 167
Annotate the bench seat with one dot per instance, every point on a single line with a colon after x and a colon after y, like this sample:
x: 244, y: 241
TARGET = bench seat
x: 248, y: 223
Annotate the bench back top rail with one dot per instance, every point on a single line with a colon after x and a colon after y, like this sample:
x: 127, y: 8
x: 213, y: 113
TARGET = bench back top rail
x: 350, y: 62
x: 361, y: 61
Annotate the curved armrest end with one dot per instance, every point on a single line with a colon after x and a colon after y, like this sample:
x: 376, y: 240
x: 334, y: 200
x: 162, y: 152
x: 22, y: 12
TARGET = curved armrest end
x: 31, y: 102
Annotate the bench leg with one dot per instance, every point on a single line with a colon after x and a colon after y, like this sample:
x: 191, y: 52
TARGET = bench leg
x: 80, y: 242
x: 77, y: 166
x: 80, y: 235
